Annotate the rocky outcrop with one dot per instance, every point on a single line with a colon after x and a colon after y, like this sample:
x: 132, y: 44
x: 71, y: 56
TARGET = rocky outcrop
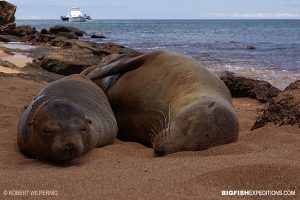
x: 7, y: 14
x: 10, y: 38
x: 27, y: 33
x: 60, y: 35
x: 20, y: 31
x: 283, y: 109
x: 11, y: 33
x: 70, y: 55
x: 69, y: 35
x: 97, y: 36
x: 67, y: 62
x: 246, y: 87
x: 58, y: 29
x: 73, y: 56
x: 293, y: 86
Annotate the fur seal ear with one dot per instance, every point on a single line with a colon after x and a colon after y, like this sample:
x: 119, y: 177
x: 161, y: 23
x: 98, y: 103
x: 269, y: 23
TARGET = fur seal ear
x: 89, y: 121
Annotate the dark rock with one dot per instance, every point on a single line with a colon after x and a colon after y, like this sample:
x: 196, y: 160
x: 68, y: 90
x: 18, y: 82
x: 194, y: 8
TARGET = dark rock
x: 250, y: 47
x: 39, y: 74
x: 293, y: 86
x: 3, y: 38
x: 8, y: 64
x: 68, y: 61
x: 97, y: 36
x: 38, y: 38
x: 7, y: 27
x: 21, y: 31
x: 57, y: 29
x: 59, y: 41
x: 74, y: 55
x: 7, y: 13
x: 117, y: 49
x: 246, y: 87
x: 69, y: 35
x: 97, y: 49
x: 44, y: 31
x: 10, y: 38
x: 44, y: 38
x: 283, y: 109
x: 29, y: 38
x: 7, y: 50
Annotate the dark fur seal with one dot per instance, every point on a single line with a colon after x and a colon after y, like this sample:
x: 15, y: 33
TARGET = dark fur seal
x: 67, y: 118
x: 169, y: 101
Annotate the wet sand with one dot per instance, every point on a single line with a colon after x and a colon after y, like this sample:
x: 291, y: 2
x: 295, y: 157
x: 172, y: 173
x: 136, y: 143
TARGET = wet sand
x: 265, y: 159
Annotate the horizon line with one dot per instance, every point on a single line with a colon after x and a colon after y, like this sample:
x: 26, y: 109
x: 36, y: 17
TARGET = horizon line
x: 57, y: 19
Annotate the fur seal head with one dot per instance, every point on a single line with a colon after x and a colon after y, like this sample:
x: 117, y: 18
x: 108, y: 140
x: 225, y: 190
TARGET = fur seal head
x: 204, y: 124
x: 60, y: 130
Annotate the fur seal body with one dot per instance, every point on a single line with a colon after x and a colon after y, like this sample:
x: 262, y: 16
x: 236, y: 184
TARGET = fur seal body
x: 168, y: 101
x: 67, y: 118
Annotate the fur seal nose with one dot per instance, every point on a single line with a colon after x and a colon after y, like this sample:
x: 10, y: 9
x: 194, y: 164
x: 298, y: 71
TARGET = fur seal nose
x: 70, y: 148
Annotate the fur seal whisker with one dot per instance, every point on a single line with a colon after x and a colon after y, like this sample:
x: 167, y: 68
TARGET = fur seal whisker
x: 153, y: 135
x: 163, y: 115
x: 169, y: 121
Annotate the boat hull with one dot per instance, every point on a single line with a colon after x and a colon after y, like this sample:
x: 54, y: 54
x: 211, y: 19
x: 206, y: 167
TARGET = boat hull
x: 64, y: 18
x: 76, y: 19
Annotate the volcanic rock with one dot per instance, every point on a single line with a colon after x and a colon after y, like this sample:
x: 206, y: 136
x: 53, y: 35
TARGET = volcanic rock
x: 283, y: 109
x: 57, y: 29
x: 7, y: 14
x: 68, y: 61
x: 245, y: 87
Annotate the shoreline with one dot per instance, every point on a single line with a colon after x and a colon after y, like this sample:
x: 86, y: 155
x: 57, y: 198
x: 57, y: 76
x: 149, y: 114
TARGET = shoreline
x: 240, y: 47
x: 233, y: 54
x: 26, y: 55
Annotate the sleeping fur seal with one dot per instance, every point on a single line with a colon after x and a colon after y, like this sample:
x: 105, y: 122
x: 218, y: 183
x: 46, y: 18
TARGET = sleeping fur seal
x: 168, y: 101
x: 67, y: 118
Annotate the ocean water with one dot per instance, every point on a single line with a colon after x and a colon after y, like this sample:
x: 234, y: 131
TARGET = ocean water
x: 218, y: 44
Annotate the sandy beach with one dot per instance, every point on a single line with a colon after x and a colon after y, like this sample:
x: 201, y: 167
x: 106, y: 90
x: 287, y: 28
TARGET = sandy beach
x: 264, y: 159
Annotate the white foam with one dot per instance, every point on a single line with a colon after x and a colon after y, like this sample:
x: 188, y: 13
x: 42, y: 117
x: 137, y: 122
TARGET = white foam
x: 278, y: 78
x: 18, y: 45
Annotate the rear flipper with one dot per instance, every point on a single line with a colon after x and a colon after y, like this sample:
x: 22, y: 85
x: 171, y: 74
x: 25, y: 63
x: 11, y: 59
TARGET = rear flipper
x: 120, y: 65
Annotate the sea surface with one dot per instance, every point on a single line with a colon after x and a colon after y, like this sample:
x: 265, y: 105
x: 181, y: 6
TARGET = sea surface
x: 262, y: 49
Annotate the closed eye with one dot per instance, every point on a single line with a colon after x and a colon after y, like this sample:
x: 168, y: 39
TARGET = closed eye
x: 83, y: 129
x: 48, y: 131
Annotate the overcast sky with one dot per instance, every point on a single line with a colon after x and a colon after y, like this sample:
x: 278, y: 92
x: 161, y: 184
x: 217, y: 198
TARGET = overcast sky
x: 161, y: 9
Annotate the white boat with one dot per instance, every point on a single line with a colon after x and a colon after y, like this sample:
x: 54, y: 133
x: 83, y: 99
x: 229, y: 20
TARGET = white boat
x: 75, y: 15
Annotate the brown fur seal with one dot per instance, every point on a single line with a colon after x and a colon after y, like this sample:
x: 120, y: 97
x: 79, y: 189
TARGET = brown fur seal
x: 67, y: 118
x: 168, y: 101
